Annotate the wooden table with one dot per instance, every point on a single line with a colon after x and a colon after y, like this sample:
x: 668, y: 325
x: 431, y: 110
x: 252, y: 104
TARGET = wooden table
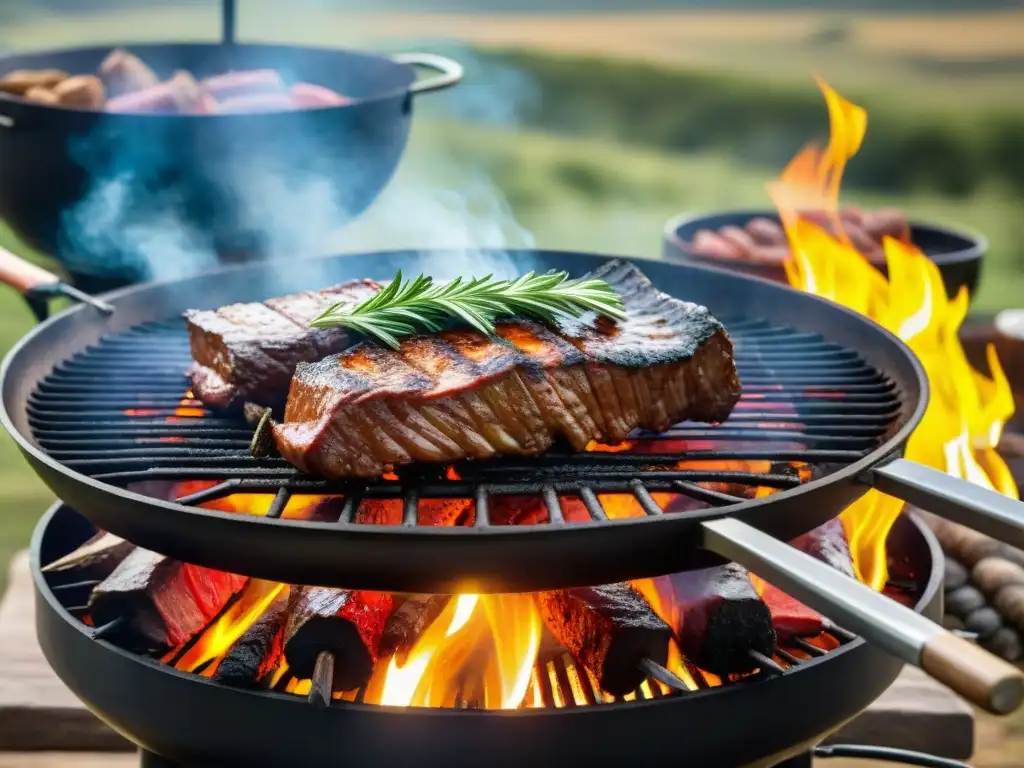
x: 39, y: 714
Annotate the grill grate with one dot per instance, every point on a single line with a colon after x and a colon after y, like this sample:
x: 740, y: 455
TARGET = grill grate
x: 120, y: 412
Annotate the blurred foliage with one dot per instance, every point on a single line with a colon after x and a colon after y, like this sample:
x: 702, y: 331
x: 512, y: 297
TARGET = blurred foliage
x: 949, y: 150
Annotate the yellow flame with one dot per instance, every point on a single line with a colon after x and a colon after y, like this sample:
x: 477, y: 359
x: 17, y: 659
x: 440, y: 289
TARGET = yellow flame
x: 482, y: 646
x: 967, y: 410
x: 218, y: 638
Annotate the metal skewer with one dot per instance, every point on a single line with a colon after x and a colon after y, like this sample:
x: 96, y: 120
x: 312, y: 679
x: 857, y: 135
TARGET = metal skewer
x: 322, y: 681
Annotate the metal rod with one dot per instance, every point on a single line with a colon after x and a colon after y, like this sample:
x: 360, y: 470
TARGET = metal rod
x: 228, y: 20
x: 984, y: 679
x: 110, y: 627
x: 768, y: 664
x: 322, y: 682
x: 958, y: 500
x: 655, y: 671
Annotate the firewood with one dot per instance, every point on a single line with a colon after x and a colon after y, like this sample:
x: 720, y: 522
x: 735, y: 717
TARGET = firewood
x: 984, y: 622
x: 955, y: 575
x: 964, y: 601
x: 1009, y: 601
x: 1005, y: 643
x: 991, y: 574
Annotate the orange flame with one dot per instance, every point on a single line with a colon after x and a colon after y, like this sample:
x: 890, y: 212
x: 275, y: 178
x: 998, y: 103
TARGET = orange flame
x: 487, y: 644
x: 967, y: 410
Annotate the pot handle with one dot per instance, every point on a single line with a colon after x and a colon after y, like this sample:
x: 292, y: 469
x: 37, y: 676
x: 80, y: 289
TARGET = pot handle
x: 451, y: 71
x: 968, y: 669
x: 982, y: 509
x: 39, y: 285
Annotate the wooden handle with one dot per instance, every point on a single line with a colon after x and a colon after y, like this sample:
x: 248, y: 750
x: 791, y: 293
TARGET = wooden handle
x: 974, y: 673
x: 21, y: 274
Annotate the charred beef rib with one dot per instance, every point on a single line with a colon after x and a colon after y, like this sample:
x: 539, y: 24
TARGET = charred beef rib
x: 462, y: 394
x: 249, y: 351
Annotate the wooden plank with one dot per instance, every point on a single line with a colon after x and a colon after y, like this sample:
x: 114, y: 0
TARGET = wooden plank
x: 37, y: 712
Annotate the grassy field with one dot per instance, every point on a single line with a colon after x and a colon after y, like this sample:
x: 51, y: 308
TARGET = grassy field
x: 968, y: 57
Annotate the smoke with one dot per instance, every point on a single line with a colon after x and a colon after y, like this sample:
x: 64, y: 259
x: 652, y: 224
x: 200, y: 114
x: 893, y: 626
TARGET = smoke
x: 304, y: 196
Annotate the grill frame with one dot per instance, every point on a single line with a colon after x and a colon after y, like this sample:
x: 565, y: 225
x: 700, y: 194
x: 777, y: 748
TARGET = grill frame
x: 439, y: 560
x: 159, y: 707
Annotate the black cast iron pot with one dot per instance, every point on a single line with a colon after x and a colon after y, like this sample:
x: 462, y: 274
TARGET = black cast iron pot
x: 118, y: 197
x: 957, y: 253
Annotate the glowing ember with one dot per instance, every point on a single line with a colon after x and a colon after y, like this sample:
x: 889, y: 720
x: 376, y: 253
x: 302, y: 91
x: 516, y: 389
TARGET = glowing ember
x: 967, y: 411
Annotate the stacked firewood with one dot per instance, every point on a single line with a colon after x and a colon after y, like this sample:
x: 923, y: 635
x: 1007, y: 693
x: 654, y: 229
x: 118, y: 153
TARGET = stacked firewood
x: 984, y: 587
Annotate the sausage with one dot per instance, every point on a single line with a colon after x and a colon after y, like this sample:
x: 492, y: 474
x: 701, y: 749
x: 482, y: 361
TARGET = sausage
x: 713, y: 244
x: 82, y: 91
x: 179, y: 95
x: 41, y: 95
x: 256, y: 102
x: 123, y: 72
x: 308, y: 95
x: 20, y: 81
x: 243, y: 83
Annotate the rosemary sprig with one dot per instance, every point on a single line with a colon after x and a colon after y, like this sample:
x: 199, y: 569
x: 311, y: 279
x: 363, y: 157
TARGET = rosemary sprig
x: 406, y: 307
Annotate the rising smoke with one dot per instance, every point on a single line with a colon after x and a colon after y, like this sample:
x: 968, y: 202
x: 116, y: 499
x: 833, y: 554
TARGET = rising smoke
x: 134, y: 219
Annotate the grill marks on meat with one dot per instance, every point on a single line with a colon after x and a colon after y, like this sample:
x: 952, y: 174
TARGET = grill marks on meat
x: 461, y: 394
x: 348, y: 624
x: 608, y: 630
x: 162, y: 603
x: 249, y: 351
x: 255, y: 655
x: 718, y: 618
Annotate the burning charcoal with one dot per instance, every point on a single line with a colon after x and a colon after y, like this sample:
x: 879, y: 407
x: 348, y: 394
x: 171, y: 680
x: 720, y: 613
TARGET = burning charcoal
x: 887, y: 222
x: 712, y: 244
x: 984, y: 622
x: 790, y: 617
x: 82, y: 91
x: 1005, y: 643
x: 41, y: 95
x: 123, y: 72
x: 828, y: 544
x: 161, y: 603
x: 609, y: 630
x: 96, y: 559
x: 955, y: 575
x: 243, y: 83
x: 347, y: 624
x: 405, y: 626
x: 718, y: 618
x: 179, y: 95
x: 766, y: 231
x: 257, y: 652
x: 741, y: 239
x: 308, y: 95
x: 964, y: 601
x: 257, y: 102
x: 990, y: 574
x: 20, y: 81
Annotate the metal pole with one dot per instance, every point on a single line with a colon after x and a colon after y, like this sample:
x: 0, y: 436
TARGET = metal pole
x: 228, y: 20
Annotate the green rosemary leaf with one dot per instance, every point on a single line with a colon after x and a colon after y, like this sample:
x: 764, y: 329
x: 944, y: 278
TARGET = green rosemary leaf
x: 405, y: 307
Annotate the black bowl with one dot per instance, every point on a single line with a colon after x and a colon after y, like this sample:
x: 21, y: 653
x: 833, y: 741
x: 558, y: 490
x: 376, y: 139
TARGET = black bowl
x: 957, y: 253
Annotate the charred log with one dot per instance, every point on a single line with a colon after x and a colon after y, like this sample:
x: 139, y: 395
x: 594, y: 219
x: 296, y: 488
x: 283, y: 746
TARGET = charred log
x: 255, y: 655
x: 408, y: 623
x: 96, y: 559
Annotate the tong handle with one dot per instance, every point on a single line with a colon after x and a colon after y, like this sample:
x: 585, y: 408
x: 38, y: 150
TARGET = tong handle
x: 982, y: 509
x: 23, y: 275
x: 978, y: 676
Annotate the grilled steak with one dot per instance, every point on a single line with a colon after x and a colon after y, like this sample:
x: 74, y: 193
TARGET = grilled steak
x: 460, y: 394
x: 609, y: 630
x: 162, y: 602
x: 249, y: 351
x: 257, y: 652
x: 718, y: 618
x: 790, y: 617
